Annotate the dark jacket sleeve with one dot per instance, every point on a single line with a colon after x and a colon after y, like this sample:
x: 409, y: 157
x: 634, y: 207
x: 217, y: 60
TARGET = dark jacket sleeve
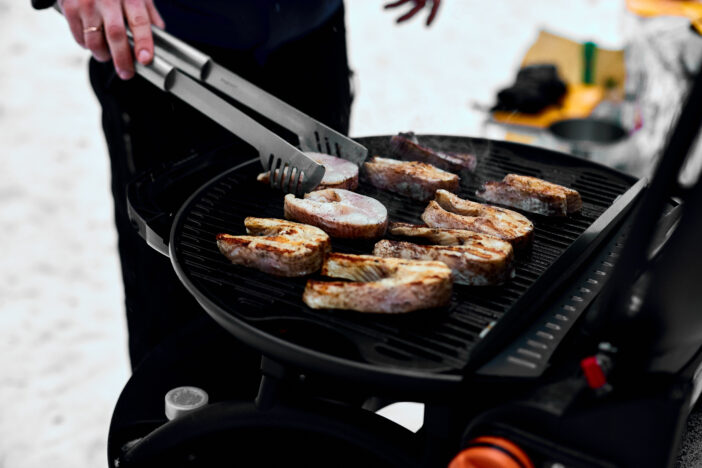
x: 42, y: 4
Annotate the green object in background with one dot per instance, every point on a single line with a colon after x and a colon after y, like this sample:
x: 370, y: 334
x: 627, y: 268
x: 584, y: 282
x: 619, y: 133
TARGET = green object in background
x: 589, y: 53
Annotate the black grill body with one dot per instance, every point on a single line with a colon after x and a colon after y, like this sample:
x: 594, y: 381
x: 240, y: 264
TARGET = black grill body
x: 425, y: 349
x: 501, y: 361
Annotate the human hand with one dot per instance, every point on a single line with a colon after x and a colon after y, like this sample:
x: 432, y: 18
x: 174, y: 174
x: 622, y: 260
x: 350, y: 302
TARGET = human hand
x: 99, y: 25
x: 418, y: 5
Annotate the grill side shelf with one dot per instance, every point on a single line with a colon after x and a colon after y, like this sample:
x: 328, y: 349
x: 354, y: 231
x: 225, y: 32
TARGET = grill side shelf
x: 534, y: 299
x: 154, y: 195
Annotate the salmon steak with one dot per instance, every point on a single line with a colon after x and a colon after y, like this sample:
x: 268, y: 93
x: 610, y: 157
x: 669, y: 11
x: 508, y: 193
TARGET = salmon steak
x: 416, y: 180
x: 338, y: 173
x: 475, y: 259
x: 531, y: 194
x: 452, y: 212
x: 277, y: 246
x: 380, y: 285
x: 406, y: 146
x: 340, y: 213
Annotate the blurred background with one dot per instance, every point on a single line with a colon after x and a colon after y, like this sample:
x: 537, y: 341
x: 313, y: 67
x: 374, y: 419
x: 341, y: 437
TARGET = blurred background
x: 63, y: 347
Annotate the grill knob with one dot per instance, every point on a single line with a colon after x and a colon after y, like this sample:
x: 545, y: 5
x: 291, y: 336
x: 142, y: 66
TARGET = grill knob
x: 182, y: 400
x: 491, y: 452
x: 595, y: 371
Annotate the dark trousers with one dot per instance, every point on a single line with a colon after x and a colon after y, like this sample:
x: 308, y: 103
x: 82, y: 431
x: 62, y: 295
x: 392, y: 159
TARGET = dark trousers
x: 145, y: 127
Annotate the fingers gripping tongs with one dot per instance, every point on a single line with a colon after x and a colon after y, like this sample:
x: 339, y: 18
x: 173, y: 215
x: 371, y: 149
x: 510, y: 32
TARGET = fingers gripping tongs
x: 177, y: 67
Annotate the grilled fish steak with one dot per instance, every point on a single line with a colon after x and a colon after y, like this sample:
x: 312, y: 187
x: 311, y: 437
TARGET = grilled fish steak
x: 407, y: 147
x: 532, y: 195
x: 440, y: 236
x: 475, y: 259
x: 338, y: 173
x: 340, y: 213
x: 474, y: 265
x: 452, y: 212
x: 277, y: 247
x: 416, y: 180
x: 380, y: 285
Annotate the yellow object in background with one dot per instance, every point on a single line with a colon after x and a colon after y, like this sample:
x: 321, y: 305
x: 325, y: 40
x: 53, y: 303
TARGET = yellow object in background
x: 697, y: 24
x: 520, y: 138
x: 579, y: 101
x: 607, y: 74
x: 567, y: 55
x: 689, y: 9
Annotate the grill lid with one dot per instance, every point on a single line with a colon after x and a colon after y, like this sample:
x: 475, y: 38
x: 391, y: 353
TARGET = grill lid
x: 432, y: 347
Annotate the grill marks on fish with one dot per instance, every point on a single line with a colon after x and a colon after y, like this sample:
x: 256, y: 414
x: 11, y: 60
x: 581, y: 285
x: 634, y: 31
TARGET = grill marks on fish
x: 338, y: 173
x: 440, y: 236
x: 276, y: 246
x: 475, y: 259
x: 406, y: 146
x: 340, y: 213
x: 531, y: 194
x: 380, y: 285
x: 452, y: 212
x: 413, y: 179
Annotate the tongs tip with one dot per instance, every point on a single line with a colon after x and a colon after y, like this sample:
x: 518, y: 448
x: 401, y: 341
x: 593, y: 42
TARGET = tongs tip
x: 293, y: 179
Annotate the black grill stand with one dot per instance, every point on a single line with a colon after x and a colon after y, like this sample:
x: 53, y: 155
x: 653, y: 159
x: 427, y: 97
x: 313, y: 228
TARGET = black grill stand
x: 288, y: 424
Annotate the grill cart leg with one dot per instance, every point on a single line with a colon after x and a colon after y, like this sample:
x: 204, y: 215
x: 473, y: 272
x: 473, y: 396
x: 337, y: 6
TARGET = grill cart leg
x: 438, y: 434
x: 268, y: 390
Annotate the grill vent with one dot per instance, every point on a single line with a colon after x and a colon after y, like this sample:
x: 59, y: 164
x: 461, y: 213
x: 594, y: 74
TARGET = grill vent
x: 529, y: 356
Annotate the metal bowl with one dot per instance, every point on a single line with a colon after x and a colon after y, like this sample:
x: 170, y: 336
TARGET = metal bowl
x: 588, y: 138
x: 588, y: 130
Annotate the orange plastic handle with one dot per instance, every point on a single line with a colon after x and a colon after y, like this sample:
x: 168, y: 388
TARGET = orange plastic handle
x: 491, y: 452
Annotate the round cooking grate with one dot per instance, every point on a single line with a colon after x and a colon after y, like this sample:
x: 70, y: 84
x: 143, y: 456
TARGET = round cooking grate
x: 426, y: 347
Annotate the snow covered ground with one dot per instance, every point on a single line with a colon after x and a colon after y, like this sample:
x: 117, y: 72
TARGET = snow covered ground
x: 63, y: 358
x: 63, y: 355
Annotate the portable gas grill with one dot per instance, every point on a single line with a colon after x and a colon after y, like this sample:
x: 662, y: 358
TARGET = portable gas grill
x: 484, y: 365
x: 428, y: 350
x: 526, y: 363
x: 489, y: 346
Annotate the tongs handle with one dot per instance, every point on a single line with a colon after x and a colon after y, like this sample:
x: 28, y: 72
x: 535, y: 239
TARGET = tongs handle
x: 199, y: 65
x: 181, y: 54
x: 313, y: 135
x: 291, y: 169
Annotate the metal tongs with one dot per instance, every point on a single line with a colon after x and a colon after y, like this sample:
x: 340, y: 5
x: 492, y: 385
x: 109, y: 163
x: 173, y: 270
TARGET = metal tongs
x: 177, y: 67
x: 180, y: 69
